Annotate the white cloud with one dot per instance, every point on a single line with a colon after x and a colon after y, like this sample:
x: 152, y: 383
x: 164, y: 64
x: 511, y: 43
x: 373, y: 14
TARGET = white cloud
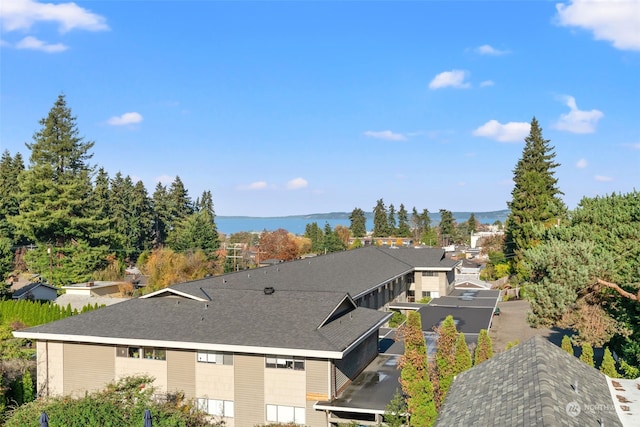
x: 125, y: 119
x: 22, y: 14
x: 297, y: 183
x: 508, y: 132
x: 486, y: 49
x: 385, y: 134
x: 453, y: 78
x: 602, y: 178
x: 577, y: 121
x: 487, y: 83
x: 165, y: 179
x: 33, y: 43
x: 617, y: 21
x: 257, y: 185
x: 582, y: 163
x: 635, y: 146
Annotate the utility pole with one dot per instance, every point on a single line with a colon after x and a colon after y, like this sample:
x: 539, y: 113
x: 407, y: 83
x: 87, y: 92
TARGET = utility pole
x: 50, y: 266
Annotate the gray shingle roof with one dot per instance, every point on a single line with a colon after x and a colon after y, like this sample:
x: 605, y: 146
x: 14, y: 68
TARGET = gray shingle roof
x: 355, y: 271
x: 530, y: 384
x: 236, y: 317
x: 239, y: 313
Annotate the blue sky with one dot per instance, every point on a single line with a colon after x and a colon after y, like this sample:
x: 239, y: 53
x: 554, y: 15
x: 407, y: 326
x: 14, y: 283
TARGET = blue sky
x: 296, y: 107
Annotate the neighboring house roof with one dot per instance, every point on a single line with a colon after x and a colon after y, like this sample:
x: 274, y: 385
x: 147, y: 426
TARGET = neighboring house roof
x: 533, y: 383
x: 31, y: 287
x: 469, y: 320
x: 470, y: 281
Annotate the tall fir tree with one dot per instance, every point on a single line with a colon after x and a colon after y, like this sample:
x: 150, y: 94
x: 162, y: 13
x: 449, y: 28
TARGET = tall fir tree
x: 358, y: 225
x: 391, y: 222
x: 403, y: 222
x: 447, y: 227
x: 55, y: 200
x: 10, y: 170
x: 535, y: 198
x: 55, y: 189
x: 161, y: 214
x: 380, y: 220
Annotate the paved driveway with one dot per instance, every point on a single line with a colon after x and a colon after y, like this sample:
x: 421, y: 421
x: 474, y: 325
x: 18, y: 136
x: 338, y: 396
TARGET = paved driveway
x: 512, y: 325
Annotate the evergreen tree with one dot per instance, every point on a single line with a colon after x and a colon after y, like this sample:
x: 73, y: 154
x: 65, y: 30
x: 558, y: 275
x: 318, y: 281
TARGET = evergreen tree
x: 587, y: 354
x: 395, y: 411
x: 391, y: 222
x: 10, y: 170
x: 447, y: 227
x: 463, y: 355
x: 414, y: 375
x: 380, y: 220
x: 179, y: 200
x: 161, y: 214
x: 196, y: 231
x: 314, y: 233
x: 445, y: 357
x: 55, y: 190
x: 566, y: 345
x: 358, y: 225
x: 142, y: 219
x: 608, y: 365
x: 403, y: 223
x: 484, y: 349
x: 332, y: 241
x: 100, y: 206
x: 472, y: 224
x: 535, y: 196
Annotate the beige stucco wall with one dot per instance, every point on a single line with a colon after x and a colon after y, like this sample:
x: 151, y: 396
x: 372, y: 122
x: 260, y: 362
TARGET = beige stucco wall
x: 50, y: 371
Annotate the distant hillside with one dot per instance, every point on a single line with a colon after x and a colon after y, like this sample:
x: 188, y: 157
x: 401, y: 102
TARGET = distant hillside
x: 482, y: 217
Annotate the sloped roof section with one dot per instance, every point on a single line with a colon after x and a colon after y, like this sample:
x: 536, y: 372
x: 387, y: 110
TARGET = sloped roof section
x: 533, y: 383
x: 257, y: 321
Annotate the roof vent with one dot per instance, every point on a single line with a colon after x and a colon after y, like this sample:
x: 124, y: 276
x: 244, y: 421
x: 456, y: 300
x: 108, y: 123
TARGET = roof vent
x: 269, y: 290
x: 574, y: 386
x: 206, y: 306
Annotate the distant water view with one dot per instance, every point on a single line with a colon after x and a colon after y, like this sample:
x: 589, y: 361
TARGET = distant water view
x: 297, y: 224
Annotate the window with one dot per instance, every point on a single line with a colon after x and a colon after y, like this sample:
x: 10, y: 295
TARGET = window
x: 426, y: 294
x: 279, y: 362
x: 429, y: 273
x: 216, y: 407
x: 149, y: 353
x: 285, y: 414
x: 215, y: 357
